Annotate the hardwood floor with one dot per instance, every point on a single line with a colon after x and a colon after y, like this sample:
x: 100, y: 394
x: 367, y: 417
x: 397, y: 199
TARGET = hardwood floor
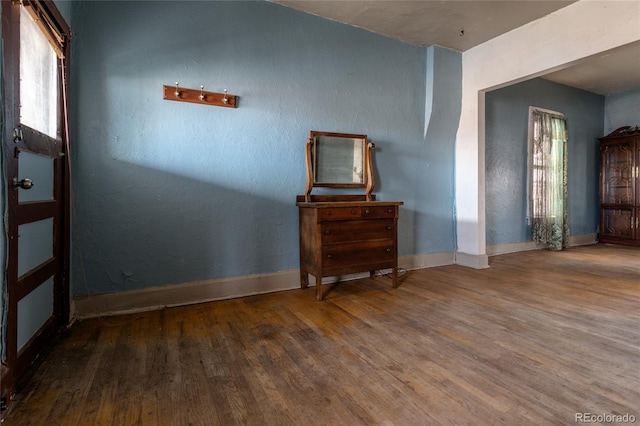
x: 534, y: 339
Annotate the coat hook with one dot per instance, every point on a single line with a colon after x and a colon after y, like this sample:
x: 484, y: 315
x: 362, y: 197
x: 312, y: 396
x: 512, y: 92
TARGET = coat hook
x: 177, y: 93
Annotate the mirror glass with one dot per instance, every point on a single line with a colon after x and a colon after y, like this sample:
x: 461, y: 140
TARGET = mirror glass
x: 339, y: 160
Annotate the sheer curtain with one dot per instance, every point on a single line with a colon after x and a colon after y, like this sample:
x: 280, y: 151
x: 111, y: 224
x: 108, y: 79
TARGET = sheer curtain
x: 548, y: 192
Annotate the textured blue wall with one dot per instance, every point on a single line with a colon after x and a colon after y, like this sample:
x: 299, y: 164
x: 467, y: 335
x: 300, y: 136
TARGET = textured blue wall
x: 169, y: 192
x: 621, y: 109
x: 64, y: 6
x: 431, y: 170
x: 507, y: 115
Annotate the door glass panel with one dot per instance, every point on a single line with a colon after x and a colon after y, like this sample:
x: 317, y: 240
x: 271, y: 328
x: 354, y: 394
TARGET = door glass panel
x: 35, y: 244
x: 618, y: 173
x: 34, y: 310
x: 40, y: 170
x: 38, y: 78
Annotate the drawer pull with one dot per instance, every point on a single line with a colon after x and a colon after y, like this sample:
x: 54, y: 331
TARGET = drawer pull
x: 353, y: 212
x: 328, y: 212
x: 389, y: 210
x: 329, y: 256
x: 367, y: 211
x: 389, y: 228
x: 327, y: 232
x: 388, y: 250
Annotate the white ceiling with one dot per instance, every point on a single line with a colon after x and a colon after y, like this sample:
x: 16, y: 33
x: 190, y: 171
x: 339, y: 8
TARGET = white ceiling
x: 461, y: 25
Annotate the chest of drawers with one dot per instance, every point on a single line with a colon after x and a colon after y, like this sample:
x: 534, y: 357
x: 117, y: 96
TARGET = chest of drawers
x: 346, y: 237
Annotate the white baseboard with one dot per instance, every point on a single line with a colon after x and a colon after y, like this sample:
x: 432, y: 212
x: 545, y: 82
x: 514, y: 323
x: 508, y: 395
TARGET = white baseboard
x: 431, y: 260
x: 183, y: 294
x: 475, y: 261
x: 226, y: 288
x: 574, y: 240
x: 513, y: 248
x: 583, y: 240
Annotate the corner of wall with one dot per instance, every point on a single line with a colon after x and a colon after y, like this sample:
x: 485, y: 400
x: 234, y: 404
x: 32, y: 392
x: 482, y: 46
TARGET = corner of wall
x: 475, y: 261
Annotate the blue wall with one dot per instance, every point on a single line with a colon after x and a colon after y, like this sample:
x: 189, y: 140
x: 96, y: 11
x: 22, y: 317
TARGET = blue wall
x: 621, y: 109
x: 507, y: 114
x: 430, y: 173
x: 64, y: 7
x: 169, y: 192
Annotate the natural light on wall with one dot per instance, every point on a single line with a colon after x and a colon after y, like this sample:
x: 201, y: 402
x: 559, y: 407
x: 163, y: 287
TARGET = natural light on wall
x: 38, y: 78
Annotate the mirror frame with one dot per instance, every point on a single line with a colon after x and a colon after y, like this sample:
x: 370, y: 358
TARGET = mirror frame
x: 368, y: 181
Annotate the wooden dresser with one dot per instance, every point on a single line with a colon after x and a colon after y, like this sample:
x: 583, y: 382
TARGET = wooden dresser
x: 346, y: 234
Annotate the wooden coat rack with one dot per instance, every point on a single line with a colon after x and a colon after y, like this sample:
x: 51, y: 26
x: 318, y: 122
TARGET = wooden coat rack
x: 199, y: 96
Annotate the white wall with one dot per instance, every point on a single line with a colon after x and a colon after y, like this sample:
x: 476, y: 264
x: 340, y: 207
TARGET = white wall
x: 554, y: 42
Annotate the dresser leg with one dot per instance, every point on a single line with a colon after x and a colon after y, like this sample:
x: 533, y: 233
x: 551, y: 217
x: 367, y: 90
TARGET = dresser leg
x: 304, y: 278
x: 319, y: 288
x: 394, y: 277
x: 372, y: 274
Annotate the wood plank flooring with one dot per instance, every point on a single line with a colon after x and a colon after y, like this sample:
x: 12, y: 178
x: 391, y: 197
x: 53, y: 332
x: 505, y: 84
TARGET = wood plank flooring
x: 534, y: 339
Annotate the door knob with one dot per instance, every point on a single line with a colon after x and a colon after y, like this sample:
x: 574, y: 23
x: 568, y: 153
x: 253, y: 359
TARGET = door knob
x: 24, y: 183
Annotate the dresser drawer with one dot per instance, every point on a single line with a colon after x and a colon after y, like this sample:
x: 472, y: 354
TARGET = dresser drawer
x: 341, y: 235
x: 358, y: 253
x: 342, y: 213
x: 379, y: 212
x: 357, y: 230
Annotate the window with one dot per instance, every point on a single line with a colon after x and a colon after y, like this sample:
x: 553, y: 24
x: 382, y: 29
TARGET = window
x: 548, y: 178
x: 38, y: 78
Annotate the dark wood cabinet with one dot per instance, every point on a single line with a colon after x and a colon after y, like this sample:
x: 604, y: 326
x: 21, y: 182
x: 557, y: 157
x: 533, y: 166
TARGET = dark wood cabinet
x: 342, y: 235
x: 620, y: 187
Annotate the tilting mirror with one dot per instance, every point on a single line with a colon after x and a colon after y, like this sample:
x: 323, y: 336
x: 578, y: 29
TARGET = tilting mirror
x: 339, y: 160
